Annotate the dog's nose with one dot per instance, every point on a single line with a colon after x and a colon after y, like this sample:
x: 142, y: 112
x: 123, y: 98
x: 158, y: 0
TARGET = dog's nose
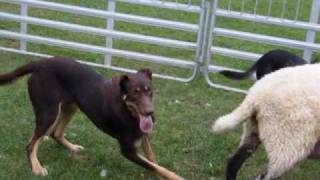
x: 149, y: 112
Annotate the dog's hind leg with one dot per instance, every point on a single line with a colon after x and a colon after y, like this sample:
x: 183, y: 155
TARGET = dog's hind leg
x: 45, y: 120
x: 146, y: 146
x: 248, y: 145
x: 67, y: 112
x: 44, y: 92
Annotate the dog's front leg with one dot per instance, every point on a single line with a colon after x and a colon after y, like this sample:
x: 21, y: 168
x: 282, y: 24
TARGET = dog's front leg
x: 147, y: 149
x: 129, y: 151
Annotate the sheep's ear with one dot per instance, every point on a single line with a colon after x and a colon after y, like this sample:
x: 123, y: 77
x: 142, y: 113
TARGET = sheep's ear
x: 123, y: 83
x: 147, y: 72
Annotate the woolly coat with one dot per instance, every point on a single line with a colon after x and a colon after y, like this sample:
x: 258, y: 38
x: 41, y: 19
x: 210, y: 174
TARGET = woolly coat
x: 284, y: 109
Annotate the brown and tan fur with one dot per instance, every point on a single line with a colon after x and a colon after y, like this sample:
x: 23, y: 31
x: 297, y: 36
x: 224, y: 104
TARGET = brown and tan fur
x: 119, y: 106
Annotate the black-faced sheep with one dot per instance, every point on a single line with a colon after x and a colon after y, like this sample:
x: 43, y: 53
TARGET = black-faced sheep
x: 282, y: 110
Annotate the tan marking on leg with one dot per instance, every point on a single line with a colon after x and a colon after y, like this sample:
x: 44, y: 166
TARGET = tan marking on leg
x: 36, y: 167
x: 161, y: 171
x: 33, y: 156
x: 147, y: 149
x: 64, y: 119
x: 56, y: 121
x: 72, y: 147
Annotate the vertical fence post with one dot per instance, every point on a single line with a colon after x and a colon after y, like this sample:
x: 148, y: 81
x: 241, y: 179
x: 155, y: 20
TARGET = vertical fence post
x: 23, y: 26
x: 110, y: 26
x: 208, y: 37
x: 212, y: 6
x: 204, y: 39
x: 200, y: 34
x: 314, y: 17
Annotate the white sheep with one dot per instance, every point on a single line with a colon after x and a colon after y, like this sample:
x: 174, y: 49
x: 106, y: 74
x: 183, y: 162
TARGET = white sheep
x: 282, y: 110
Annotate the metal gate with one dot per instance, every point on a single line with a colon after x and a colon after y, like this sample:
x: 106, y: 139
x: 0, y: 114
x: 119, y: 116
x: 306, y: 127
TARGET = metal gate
x: 205, y: 30
x: 111, y: 16
x: 252, y: 14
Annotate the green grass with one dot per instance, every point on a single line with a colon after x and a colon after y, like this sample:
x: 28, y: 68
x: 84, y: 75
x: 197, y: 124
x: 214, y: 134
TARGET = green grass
x: 182, y: 139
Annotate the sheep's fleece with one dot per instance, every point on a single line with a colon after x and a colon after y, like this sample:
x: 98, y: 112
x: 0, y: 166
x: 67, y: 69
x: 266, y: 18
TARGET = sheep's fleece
x: 284, y: 108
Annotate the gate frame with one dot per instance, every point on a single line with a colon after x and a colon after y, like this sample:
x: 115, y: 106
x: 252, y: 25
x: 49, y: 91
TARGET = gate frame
x: 109, y: 52
x: 205, y: 29
x: 307, y: 46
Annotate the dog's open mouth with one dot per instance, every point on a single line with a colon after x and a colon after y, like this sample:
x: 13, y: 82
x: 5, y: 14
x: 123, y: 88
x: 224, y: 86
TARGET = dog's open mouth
x: 145, y: 123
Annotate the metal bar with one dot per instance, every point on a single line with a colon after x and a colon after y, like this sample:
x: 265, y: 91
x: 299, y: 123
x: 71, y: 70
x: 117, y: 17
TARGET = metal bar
x: 283, y: 9
x: 23, y: 25
x: 200, y: 38
x: 209, y: 18
x: 227, y: 88
x: 211, y: 15
x: 229, y: 5
x: 98, y: 49
x: 255, y: 7
x: 103, y: 14
x: 99, y: 31
x: 298, y: 6
x: 110, y: 26
x: 311, y: 35
x: 268, y: 20
x: 270, y: 8
x: 243, y: 3
x: 235, y: 53
x: 266, y: 39
x: 114, y: 68
x: 167, y: 5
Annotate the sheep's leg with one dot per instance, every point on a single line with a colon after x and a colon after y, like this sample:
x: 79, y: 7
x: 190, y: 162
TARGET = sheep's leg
x: 283, y: 154
x: 315, y: 154
x: 247, y: 147
x: 276, y: 170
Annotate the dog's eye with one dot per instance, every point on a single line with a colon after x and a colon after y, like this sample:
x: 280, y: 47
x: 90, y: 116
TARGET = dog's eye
x: 137, y: 90
x: 146, y: 88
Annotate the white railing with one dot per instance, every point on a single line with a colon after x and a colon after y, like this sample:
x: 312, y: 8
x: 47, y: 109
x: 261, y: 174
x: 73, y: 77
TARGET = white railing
x: 206, y: 30
x: 253, y: 15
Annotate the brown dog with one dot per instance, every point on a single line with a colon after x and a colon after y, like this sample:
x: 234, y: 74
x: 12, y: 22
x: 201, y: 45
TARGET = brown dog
x: 121, y: 107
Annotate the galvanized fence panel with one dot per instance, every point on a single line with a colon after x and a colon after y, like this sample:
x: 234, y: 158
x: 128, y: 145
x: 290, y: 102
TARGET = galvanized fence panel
x: 308, y: 46
x: 206, y: 31
x: 109, y: 33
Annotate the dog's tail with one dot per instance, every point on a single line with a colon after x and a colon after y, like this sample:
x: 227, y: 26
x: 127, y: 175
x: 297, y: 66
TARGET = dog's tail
x: 239, y: 115
x: 239, y: 75
x: 12, y: 76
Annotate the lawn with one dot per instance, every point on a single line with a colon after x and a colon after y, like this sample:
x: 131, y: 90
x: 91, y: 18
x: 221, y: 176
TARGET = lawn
x: 182, y: 139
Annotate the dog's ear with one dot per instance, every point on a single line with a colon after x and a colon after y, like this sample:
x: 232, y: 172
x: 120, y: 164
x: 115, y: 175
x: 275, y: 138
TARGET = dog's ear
x: 123, y: 83
x: 147, y: 72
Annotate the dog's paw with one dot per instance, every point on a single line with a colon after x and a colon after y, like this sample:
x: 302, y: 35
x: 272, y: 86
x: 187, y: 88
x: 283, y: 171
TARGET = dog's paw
x: 40, y: 171
x: 76, y: 148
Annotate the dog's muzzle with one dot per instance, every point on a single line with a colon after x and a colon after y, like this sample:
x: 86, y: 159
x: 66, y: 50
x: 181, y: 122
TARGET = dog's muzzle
x: 145, y: 119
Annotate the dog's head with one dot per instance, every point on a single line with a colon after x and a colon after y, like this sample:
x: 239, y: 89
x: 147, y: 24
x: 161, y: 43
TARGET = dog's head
x: 136, y: 92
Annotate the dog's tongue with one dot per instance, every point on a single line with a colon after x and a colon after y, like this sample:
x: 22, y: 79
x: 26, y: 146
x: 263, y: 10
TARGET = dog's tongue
x: 146, y: 124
